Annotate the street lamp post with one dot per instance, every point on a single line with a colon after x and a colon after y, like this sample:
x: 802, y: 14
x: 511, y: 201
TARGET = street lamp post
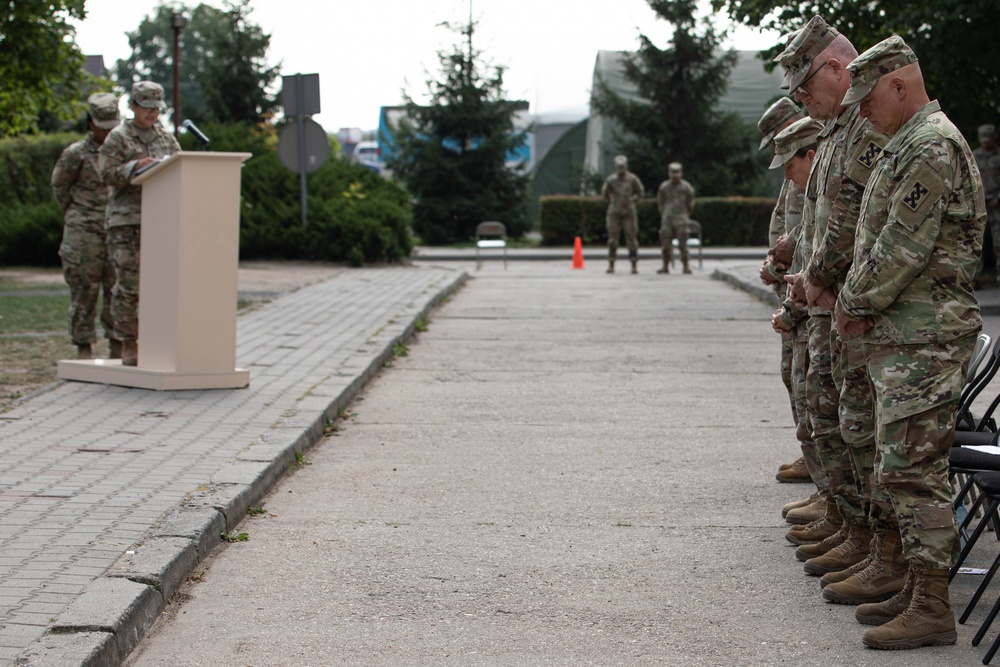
x: 177, y: 23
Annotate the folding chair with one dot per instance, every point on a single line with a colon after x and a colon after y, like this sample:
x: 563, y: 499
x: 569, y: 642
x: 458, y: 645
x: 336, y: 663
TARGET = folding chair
x: 491, y: 235
x: 694, y: 241
x: 980, y: 378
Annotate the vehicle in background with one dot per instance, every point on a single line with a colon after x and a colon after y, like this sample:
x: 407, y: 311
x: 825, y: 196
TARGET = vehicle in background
x: 368, y: 154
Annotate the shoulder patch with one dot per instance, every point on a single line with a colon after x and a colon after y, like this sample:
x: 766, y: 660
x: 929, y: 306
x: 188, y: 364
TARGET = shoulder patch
x: 916, y: 196
x: 864, y: 157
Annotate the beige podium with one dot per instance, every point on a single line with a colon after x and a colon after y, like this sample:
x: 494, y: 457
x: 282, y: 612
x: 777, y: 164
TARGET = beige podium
x: 187, y: 279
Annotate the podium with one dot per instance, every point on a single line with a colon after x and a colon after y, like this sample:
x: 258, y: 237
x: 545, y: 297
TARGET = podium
x: 187, y: 279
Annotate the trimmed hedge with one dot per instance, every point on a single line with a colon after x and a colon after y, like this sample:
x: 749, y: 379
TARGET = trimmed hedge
x: 725, y: 221
x: 354, y: 215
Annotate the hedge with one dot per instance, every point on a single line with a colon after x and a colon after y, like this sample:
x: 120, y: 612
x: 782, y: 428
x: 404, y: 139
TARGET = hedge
x: 354, y: 214
x: 725, y: 221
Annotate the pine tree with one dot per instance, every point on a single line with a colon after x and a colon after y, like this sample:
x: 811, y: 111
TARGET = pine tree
x: 677, y: 118
x: 452, y: 153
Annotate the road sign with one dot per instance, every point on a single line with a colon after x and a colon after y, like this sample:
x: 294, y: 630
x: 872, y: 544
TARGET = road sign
x: 300, y: 94
x: 315, y: 148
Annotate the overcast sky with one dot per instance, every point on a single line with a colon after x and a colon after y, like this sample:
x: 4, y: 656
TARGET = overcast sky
x: 367, y: 51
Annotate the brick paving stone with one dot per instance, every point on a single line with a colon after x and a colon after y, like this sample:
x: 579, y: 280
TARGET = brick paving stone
x: 87, y: 471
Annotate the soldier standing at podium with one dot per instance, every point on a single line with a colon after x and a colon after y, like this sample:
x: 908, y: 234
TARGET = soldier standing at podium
x: 129, y: 147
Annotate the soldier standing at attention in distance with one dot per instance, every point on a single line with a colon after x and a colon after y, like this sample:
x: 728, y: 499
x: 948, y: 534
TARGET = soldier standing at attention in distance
x: 621, y: 190
x: 988, y: 160
x: 675, y: 200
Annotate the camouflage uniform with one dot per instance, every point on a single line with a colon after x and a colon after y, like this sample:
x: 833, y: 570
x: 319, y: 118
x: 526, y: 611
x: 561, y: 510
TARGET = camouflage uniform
x: 843, y: 165
x: 124, y: 147
x: 923, y: 219
x: 621, y: 191
x: 989, y: 169
x: 674, y: 201
x: 83, y: 197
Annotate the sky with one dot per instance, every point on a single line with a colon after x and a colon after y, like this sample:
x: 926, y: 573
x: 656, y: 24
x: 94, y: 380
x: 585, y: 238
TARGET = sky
x: 367, y: 52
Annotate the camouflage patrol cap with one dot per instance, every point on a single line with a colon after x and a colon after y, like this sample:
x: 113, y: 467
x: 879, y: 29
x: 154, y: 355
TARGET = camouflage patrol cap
x: 776, y: 115
x: 148, y: 94
x: 798, y: 56
x: 621, y: 161
x: 103, y: 110
x: 800, y: 134
x: 987, y: 132
x: 885, y: 57
x: 675, y: 168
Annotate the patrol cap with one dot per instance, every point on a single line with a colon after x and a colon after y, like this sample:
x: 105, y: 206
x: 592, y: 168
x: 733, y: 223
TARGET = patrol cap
x: 798, y: 56
x: 776, y: 115
x: 801, y: 134
x: 675, y: 168
x: 148, y: 94
x: 103, y: 109
x: 885, y: 57
x: 987, y: 132
x: 621, y: 161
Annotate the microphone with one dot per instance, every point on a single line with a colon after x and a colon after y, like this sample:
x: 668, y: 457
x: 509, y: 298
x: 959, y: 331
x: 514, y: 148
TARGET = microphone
x: 198, y: 134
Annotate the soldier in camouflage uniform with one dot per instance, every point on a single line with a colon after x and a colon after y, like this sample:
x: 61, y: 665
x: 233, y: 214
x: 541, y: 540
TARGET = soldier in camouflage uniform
x: 621, y: 190
x: 909, y: 299
x: 83, y: 197
x: 785, y: 219
x: 988, y: 161
x: 675, y: 200
x: 132, y: 145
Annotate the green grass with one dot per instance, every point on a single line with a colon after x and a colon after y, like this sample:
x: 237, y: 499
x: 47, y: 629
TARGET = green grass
x: 23, y: 314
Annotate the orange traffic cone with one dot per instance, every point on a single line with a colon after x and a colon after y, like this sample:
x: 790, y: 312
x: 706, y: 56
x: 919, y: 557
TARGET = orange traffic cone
x: 578, y: 253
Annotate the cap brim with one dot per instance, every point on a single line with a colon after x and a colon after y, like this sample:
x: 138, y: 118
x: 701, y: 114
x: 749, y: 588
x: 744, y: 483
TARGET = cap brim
x: 766, y: 141
x: 857, y: 93
x: 106, y: 124
x: 151, y: 104
x: 779, y: 160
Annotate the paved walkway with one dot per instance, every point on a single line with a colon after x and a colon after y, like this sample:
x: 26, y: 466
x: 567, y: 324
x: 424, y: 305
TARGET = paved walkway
x: 87, y: 472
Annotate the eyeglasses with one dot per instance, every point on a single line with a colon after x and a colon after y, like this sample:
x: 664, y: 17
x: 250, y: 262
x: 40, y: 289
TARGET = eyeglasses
x: 801, y: 88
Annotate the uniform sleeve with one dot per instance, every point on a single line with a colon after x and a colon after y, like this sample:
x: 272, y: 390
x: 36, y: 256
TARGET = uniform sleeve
x: 113, y: 164
x: 835, y: 251
x: 65, y: 174
x: 604, y: 191
x: 638, y: 187
x: 905, y: 243
x: 689, y: 199
x: 661, y: 199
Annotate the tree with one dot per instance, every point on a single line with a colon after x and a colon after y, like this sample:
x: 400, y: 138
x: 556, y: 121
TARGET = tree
x: 41, y: 68
x: 954, y: 40
x: 452, y: 153
x: 223, y: 75
x: 676, y: 118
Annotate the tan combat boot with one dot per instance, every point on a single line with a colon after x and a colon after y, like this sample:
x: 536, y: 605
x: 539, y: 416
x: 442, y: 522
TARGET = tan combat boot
x: 818, y: 530
x: 852, y: 550
x: 883, y: 577
x: 611, y: 266
x: 808, y: 513
x: 130, y: 353
x: 635, y: 266
x: 84, y: 351
x: 115, y: 349
x: 927, y: 621
x: 799, y: 461
x: 796, y: 504
x: 687, y: 269
x: 879, y: 613
x: 840, y: 575
x: 807, y: 551
x: 797, y: 472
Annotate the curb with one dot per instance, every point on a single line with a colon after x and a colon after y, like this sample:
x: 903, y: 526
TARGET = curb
x: 109, y: 619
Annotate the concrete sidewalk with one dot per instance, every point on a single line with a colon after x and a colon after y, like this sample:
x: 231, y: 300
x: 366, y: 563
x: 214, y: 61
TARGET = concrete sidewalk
x: 90, y: 472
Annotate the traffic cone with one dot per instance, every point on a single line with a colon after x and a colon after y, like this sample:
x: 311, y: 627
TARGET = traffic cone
x: 578, y: 253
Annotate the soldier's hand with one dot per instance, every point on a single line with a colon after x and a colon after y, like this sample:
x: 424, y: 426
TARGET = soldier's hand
x: 765, y: 274
x: 827, y: 298
x: 783, y: 250
x: 797, y: 293
x: 850, y: 327
x: 812, y: 291
x: 778, y: 324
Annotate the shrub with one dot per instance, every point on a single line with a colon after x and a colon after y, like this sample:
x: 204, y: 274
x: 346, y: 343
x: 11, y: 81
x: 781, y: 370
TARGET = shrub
x: 725, y: 221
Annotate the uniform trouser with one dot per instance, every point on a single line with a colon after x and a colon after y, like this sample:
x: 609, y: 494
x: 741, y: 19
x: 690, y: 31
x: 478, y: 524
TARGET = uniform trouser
x: 857, y: 424
x: 617, y: 222
x: 123, y: 246
x: 786, y: 371
x: 916, y: 392
x: 671, y: 229
x: 823, y: 400
x: 803, y: 427
x: 88, y: 272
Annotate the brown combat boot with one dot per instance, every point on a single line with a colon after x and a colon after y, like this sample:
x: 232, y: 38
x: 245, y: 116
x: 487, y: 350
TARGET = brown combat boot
x: 115, y: 349
x: 803, y: 515
x: 840, y: 575
x: 84, y: 351
x: 884, y: 576
x: 852, y: 550
x: 796, y: 504
x: 818, y: 530
x: 807, y: 551
x: 799, y: 461
x: 130, y: 353
x: 664, y: 269
x: 797, y: 472
x: 879, y: 613
x: 927, y: 621
x: 611, y: 266
x: 687, y: 269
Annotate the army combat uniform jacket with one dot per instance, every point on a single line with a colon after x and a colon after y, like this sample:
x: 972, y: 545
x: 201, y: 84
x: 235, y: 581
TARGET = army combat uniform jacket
x: 124, y: 147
